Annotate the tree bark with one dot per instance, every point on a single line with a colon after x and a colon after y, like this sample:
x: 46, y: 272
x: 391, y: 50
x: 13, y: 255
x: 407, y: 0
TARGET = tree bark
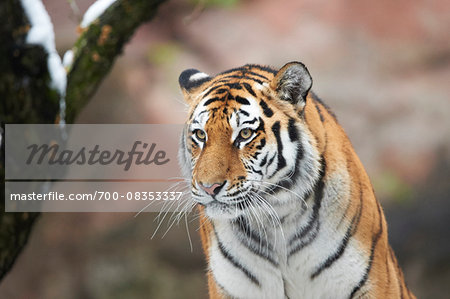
x: 25, y: 95
x: 25, y: 98
x: 98, y: 46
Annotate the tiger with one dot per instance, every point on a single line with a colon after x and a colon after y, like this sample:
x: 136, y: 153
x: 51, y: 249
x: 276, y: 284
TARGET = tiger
x: 286, y: 207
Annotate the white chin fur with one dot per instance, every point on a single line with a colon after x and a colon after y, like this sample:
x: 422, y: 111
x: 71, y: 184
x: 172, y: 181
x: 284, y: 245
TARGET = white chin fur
x: 222, y: 212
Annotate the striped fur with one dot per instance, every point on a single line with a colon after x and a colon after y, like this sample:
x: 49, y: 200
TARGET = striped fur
x: 293, y: 213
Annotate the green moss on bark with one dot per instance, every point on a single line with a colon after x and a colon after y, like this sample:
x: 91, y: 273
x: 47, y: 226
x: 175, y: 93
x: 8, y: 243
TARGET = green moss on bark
x: 25, y: 95
x: 98, y: 46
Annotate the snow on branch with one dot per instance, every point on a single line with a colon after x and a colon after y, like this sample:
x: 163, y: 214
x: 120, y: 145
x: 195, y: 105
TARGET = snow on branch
x: 42, y: 33
x: 106, y: 29
x: 95, y: 11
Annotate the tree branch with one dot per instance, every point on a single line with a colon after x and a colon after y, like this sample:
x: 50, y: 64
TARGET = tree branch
x: 98, y: 46
x: 26, y: 96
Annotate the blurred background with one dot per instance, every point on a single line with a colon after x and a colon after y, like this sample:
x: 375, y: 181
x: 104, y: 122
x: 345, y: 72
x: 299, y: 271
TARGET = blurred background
x: 382, y: 66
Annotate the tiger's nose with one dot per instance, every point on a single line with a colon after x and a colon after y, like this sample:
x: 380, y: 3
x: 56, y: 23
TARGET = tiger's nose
x: 212, y: 189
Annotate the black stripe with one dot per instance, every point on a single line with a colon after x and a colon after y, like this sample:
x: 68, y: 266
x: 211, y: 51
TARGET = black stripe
x: 211, y: 90
x: 249, y: 88
x: 271, y: 160
x: 255, y: 155
x: 256, y: 171
x: 213, y: 112
x: 266, y: 110
x: 244, y: 112
x: 194, y: 142
x: 242, y: 100
x: 317, y: 99
x: 250, y: 235
x: 276, y: 131
x: 318, y: 194
x: 221, y: 287
x: 334, y: 257
x: 261, y: 126
x: 254, y: 79
x: 221, y: 91
x: 236, y: 69
x: 192, y: 114
x: 204, y: 111
x: 375, y: 239
x: 250, y: 121
x: 262, y: 143
x: 212, y: 100
x: 235, y: 263
x: 289, y: 182
x: 292, y: 130
x: 264, y: 160
x: 319, y: 111
x: 359, y: 213
x: 234, y: 85
x: 229, y: 77
x: 247, y: 69
x: 348, y: 234
x: 349, y: 203
x: 309, y: 238
x: 263, y: 68
x: 256, y: 74
x: 234, y: 193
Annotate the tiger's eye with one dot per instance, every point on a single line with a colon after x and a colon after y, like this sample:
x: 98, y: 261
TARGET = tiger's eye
x: 201, y: 135
x: 245, y: 133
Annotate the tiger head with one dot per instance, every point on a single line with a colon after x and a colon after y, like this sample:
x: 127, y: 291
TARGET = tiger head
x: 246, y: 144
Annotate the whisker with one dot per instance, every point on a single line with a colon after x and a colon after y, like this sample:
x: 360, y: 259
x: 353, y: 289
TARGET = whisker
x: 282, y: 187
x: 151, y: 202
x: 268, y: 216
x: 160, y: 221
x: 201, y: 224
x: 274, y: 216
x: 165, y: 203
x: 187, y: 231
x: 260, y: 224
x: 173, y: 219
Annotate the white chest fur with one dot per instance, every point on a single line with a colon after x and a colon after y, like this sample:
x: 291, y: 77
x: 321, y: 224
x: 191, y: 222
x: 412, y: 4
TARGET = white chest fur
x: 261, y: 259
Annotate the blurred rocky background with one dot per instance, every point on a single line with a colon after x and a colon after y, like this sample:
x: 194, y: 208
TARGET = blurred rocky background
x: 383, y: 67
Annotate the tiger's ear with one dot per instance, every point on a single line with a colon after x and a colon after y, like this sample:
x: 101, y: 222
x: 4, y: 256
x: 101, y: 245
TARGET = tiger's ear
x: 292, y: 83
x: 190, y: 80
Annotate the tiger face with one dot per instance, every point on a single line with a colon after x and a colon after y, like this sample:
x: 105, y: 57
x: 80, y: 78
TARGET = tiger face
x: 245, y: 144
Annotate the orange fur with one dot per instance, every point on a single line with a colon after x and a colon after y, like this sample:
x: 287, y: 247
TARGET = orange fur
x: 220, y: 161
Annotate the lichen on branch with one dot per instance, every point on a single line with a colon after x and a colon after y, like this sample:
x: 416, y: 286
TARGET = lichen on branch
x: 98, y: 46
